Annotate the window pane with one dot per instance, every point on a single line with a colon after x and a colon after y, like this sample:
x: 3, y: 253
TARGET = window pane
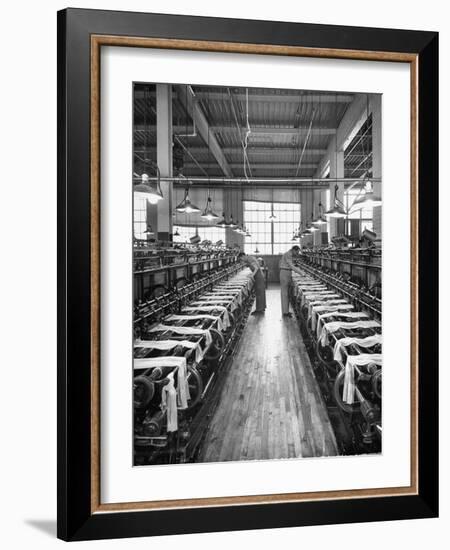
x: 256, y: 218
x: 140, y: 218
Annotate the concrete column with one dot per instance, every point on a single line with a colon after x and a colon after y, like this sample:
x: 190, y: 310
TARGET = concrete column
x: 375, y: 108
x: 164, y: 159
x: 336, y: 171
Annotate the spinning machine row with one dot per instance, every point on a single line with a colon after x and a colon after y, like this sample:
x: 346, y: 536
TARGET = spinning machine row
x: 342, y: 323
x: 183, y: 344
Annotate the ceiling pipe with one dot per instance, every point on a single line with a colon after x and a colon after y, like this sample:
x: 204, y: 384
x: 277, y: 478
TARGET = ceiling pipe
x: 272, y: 181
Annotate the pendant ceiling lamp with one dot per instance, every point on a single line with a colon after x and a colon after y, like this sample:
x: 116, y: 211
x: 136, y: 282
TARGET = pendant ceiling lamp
x: 367, y: 198
x: 231, y: 223
x: 186, y: 205
x: 149, y: 230
x: 208, y: 213
x: 311, y: 225
x: 150, y: 190
x: 146, y: 188
x: 222, y: 222
x: 177, y: 233
x: 337, y: 210
x: 272, y: 216
x: 320, y: 219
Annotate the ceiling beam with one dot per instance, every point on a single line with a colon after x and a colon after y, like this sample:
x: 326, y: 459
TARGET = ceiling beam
x: 177, y: 128
x: 269, y: 96
x: 273, y: 97
x: 204, y: 129
x: 280, y: 130
x: 254, y: 150
x: 255, y: 130
x: 266, y: 166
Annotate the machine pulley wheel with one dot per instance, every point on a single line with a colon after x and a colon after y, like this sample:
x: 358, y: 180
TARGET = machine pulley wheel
x: 376, y: 383
x: 217, y: 345
x: 143, y: 391
x: 157, y: 291
x: 195, y: 384
x: 338, y: 390
x: 325, y: 354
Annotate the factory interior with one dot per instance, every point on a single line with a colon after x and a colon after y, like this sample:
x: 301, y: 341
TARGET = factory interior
x: 257, y: 247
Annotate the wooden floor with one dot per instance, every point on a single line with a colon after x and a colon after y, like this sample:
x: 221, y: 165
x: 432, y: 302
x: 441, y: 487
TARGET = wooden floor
x: 270, y: 406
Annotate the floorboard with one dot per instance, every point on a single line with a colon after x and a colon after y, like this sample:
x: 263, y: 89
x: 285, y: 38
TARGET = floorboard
x: 270, y: 406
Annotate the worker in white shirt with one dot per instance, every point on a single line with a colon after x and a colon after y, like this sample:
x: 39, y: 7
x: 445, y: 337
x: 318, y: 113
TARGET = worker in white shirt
x: 260, y: 283
x: 286, y: 268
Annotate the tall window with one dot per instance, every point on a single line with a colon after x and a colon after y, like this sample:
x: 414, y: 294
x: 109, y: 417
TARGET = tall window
x: 360, y: 219
x: 256, y: 220
x: 270, y: 236
x: 206, y: 233
x: 140, y: 218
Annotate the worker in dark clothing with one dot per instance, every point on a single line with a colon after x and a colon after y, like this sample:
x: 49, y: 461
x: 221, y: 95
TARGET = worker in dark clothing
x: 260, y: 283
x: 286, y: 268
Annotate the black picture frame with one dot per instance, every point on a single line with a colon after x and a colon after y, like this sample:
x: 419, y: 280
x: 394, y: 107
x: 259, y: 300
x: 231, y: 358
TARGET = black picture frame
x: 75, y: 518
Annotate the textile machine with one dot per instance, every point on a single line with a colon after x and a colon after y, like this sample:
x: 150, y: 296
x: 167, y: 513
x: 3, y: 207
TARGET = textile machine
x: 183, y: 340
x: 341, y: 323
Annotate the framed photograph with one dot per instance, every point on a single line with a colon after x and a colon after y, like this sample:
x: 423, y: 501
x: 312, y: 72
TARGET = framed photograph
x: 247, y: 255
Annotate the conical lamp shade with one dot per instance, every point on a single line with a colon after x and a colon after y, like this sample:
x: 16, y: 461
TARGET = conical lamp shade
x: 208, y: 213
x: 149, y: 190
x: 186, y: 205
x: 320, y: 220
x: 222, y: 222
x: 335, y: 212
x: 367, y: 200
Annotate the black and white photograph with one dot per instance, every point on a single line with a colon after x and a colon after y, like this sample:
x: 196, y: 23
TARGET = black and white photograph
x: 232, y: 220
x: 257, y: 273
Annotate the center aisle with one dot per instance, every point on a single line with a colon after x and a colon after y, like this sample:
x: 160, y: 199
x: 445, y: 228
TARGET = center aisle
x: 270, y: 406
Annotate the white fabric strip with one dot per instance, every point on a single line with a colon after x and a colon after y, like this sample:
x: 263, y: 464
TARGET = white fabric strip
x: 315, y: 311
x: 231, y: 303
x: 325, y: 302
x: 308, y: 296
x: 184, y: 330
x: 170, y: 394
x: 169, y: 404
x: 223, y: 309
x: 346, y: 314
x: 366, y: 342
x: 348, y: 393
x: 222, y: 295
x: 198, y: 318
x: 170, y: 344
x: 329, y: 328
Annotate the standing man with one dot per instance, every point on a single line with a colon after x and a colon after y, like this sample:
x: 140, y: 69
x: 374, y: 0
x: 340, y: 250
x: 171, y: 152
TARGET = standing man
x: 286, y: 268
x: 260, y: 283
